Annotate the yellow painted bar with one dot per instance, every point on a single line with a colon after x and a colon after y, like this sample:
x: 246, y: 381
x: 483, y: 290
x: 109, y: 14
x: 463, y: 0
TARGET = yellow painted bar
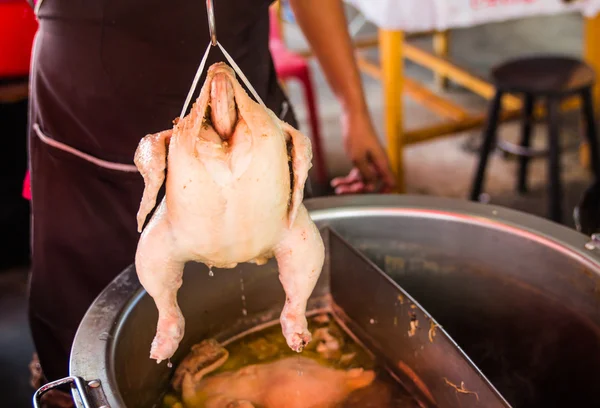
x: 392, y: 64
x: 457, y: 74
x: 592, y: 51
x: 418, y: 92
x: 592, y: 57
x: 436, y: 103
x: 475, y: 121
x: 441, y: 47
x: 450, y: 128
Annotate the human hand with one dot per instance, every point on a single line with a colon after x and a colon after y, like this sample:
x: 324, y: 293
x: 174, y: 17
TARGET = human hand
x: 371, y: 171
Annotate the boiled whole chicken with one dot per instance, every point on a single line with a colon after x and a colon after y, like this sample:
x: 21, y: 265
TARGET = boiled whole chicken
x: 290, y: 382
x: 229, y: 199
x: 293, y: 382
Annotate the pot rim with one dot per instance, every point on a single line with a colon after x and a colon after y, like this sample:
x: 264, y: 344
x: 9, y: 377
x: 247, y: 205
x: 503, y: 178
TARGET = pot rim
x: 94, y: 346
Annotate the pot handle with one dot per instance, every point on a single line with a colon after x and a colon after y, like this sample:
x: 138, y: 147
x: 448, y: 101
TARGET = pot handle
x: 78, y: 384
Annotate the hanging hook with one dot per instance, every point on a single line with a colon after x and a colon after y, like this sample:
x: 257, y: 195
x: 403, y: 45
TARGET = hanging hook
x: 211, y: 22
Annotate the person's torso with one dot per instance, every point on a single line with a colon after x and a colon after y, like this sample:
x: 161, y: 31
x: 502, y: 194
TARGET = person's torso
x: 124, y: 67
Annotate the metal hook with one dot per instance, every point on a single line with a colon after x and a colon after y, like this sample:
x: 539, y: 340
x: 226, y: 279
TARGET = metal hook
x: 211, y: 22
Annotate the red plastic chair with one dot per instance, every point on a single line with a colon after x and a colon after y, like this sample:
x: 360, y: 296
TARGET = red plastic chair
x: 17, y: 29
x: 18, y: 26
x: 292, y: 66
x: 27, y: 187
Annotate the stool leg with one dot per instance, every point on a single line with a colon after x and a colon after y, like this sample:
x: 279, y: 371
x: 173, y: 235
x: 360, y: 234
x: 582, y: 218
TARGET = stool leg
x: 313, y: 119
x: 554, y: 187
x: 526, y: 126
x: 489, y: 140
x: 591, y: 132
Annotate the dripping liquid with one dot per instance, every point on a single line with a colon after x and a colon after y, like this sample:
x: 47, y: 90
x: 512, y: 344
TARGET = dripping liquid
x: 244, y: 310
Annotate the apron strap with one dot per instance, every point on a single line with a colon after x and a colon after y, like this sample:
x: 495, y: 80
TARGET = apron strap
x: 127, y: 168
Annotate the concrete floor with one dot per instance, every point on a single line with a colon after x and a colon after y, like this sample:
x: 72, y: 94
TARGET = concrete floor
x: 436, y: 168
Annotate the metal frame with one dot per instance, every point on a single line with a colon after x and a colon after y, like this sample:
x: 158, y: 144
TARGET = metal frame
x: 212, y: 25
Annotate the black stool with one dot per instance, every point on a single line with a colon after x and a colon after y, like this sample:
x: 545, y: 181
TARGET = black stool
x: 553, y: 79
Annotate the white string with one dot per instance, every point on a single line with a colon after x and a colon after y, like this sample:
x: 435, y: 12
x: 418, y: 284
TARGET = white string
x: 236, y: 68
x: 284, y: 110
x: 241, y: 74
x: 195, y: 82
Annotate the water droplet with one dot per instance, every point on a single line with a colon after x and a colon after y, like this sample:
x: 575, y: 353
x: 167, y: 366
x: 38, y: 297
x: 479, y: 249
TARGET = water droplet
x: 372, y: 321
x: 244, y: 311
x: 169, y: 364
x: 210, y: 272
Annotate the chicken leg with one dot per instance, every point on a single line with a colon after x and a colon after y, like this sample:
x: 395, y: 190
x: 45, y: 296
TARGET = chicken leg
x: 300, y: 256
x: 161, y: 273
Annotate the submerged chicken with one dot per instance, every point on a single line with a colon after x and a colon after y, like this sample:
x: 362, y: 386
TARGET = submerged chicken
x: 229, y: 199
x: 293, y: 382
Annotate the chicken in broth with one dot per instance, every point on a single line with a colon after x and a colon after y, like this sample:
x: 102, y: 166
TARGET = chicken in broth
x: 259, y: 370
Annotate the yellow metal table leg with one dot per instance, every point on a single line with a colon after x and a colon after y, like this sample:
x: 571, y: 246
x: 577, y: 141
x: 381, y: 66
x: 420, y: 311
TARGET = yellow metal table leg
x: 441, y: 47
x: 592, y: 57
x: 392, y: 64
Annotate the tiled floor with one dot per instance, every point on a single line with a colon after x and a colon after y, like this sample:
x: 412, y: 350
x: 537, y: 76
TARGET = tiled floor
x: 435, y: 168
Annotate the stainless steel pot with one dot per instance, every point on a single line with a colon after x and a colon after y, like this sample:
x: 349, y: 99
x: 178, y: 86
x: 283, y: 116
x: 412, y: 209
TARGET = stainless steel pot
x: 519, y: 294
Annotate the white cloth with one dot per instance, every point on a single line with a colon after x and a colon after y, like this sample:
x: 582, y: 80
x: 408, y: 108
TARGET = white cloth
x: 426, y: 15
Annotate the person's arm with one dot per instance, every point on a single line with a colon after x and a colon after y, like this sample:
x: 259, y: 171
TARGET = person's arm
x: 324, y: 25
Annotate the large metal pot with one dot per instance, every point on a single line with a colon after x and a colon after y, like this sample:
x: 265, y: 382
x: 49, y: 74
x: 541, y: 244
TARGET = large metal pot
x: 519, y: 294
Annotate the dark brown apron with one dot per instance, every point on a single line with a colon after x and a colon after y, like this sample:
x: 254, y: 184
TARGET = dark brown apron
x: 105, y: 73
